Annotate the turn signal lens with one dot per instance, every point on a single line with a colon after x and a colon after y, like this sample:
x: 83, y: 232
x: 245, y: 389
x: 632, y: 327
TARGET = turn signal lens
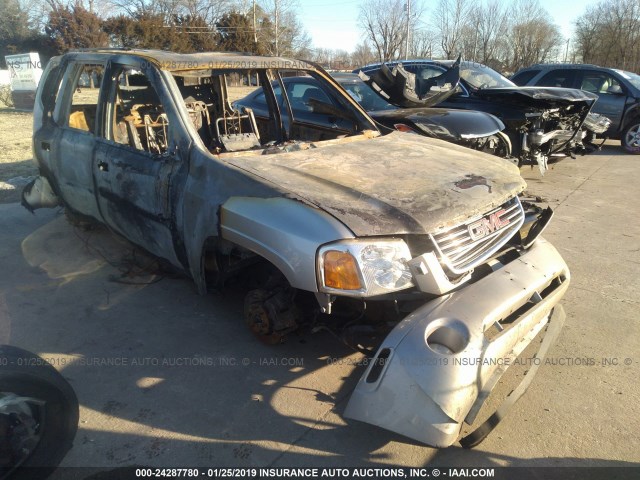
x: 341, y: 271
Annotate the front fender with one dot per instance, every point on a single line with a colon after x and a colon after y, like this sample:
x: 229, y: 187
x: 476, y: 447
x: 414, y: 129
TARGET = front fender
x: 631, y: 113
x: 285, y: 232
x: 445, y: 123
x: 458, y: 124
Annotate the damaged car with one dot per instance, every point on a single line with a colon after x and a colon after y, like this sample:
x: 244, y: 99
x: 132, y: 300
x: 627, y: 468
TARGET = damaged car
x: 542, y: 123
x: 477, y: 130
x: 330, y: 220
x: 618, y: 94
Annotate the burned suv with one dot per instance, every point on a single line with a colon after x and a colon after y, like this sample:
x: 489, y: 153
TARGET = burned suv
x: 426, y: 238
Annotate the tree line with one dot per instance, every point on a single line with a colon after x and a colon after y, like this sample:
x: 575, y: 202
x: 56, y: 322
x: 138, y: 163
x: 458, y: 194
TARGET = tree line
x: 504, y: 34
x: 608, y: 34
x: 52, y: 27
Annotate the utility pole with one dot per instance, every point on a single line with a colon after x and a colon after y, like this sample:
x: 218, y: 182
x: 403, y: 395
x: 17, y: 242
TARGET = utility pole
x: 406, y: 39
x: 277, y: 7
x: 566, y: 52
x: 255, y: 32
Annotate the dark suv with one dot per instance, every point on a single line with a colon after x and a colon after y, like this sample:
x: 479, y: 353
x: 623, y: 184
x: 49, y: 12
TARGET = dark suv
x: 618, y: 94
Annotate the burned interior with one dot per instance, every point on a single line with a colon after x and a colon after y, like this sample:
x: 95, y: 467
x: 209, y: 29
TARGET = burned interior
x: 209, y: 97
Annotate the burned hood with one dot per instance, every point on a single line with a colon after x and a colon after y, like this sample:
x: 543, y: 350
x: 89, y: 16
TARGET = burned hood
x: 538, y: 96
x: 407, y: 90
x: 396, y: 184
x: 447, y: 124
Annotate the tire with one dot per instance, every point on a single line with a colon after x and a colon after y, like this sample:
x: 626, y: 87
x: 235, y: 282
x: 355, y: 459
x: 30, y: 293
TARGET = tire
x: 24, y: 374
x: 630, y: 139
x: 503, y: 148
x: 498, y: 144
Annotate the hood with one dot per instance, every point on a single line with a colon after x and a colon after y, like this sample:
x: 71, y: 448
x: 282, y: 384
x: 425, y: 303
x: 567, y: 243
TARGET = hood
x: 444, y: 123
x: 404, y: 89
x: 538, y: 96
x: 396, y: 184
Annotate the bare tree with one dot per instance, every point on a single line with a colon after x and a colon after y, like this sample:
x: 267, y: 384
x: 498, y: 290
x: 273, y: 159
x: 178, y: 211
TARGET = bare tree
x: 362, y: 55
x: 533, y: 35
x: 385, y: 25
x: 493, y: 24
x: 450, y: 18
x: 422, y: 44
x: 482, y: 35
x: 609, y: 34
x: 282, y: 30
x: 332, y: 59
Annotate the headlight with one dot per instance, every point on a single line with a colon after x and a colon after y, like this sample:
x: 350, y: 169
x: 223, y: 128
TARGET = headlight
x: 364, y: 268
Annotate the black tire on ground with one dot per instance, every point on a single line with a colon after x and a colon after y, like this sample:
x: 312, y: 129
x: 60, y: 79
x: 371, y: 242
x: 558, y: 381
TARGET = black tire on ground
x: 630, y: 139
x: 25, y: 374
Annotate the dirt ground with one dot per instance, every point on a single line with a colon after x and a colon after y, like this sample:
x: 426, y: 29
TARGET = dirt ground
x: 168, y: 378
x: 15, y: 152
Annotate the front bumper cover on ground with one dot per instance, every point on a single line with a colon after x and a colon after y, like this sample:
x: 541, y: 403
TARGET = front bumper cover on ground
x: 437, y: 367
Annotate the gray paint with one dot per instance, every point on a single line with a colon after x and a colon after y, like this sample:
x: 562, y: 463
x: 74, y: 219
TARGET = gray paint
x: 285, y: 232
x: 420, y: 397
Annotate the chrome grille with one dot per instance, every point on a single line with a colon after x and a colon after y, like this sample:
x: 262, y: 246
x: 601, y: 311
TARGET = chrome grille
x: 460, y: 252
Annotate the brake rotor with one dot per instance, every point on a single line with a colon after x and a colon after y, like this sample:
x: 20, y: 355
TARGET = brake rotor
x: 257, y: 317
x: 19, y: 429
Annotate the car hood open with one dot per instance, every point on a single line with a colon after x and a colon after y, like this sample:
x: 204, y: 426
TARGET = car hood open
x: 406, y: 90
x: 396, y: 184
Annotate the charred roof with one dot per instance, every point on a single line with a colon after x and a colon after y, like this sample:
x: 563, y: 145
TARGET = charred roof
x: 172, y: 61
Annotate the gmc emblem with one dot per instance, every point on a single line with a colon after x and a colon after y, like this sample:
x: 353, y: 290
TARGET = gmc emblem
x: 487, y: 225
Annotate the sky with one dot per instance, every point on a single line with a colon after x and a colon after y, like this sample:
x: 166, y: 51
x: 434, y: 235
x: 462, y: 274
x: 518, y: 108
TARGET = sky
x: 333, y: 24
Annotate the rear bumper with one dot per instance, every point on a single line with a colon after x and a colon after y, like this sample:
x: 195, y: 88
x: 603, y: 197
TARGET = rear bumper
x: 424, y: 393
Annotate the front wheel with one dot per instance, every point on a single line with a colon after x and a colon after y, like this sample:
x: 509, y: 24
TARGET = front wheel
x: 38, y: 415
x: 630, y: 139
x: 497, y: 144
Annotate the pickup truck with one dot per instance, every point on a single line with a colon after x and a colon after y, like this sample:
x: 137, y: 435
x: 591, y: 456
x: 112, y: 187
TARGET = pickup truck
x: 430, y: 236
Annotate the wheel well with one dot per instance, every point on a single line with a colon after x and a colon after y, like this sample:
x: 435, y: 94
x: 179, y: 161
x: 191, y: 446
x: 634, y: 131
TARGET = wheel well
x: 629, y: 118
x: 633, y: 120
x: 225, y: 262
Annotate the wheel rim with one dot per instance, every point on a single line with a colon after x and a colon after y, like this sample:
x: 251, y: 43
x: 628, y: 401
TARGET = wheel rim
x: 632, y: 138
x: 497, y: 144
x: 21, y: 427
